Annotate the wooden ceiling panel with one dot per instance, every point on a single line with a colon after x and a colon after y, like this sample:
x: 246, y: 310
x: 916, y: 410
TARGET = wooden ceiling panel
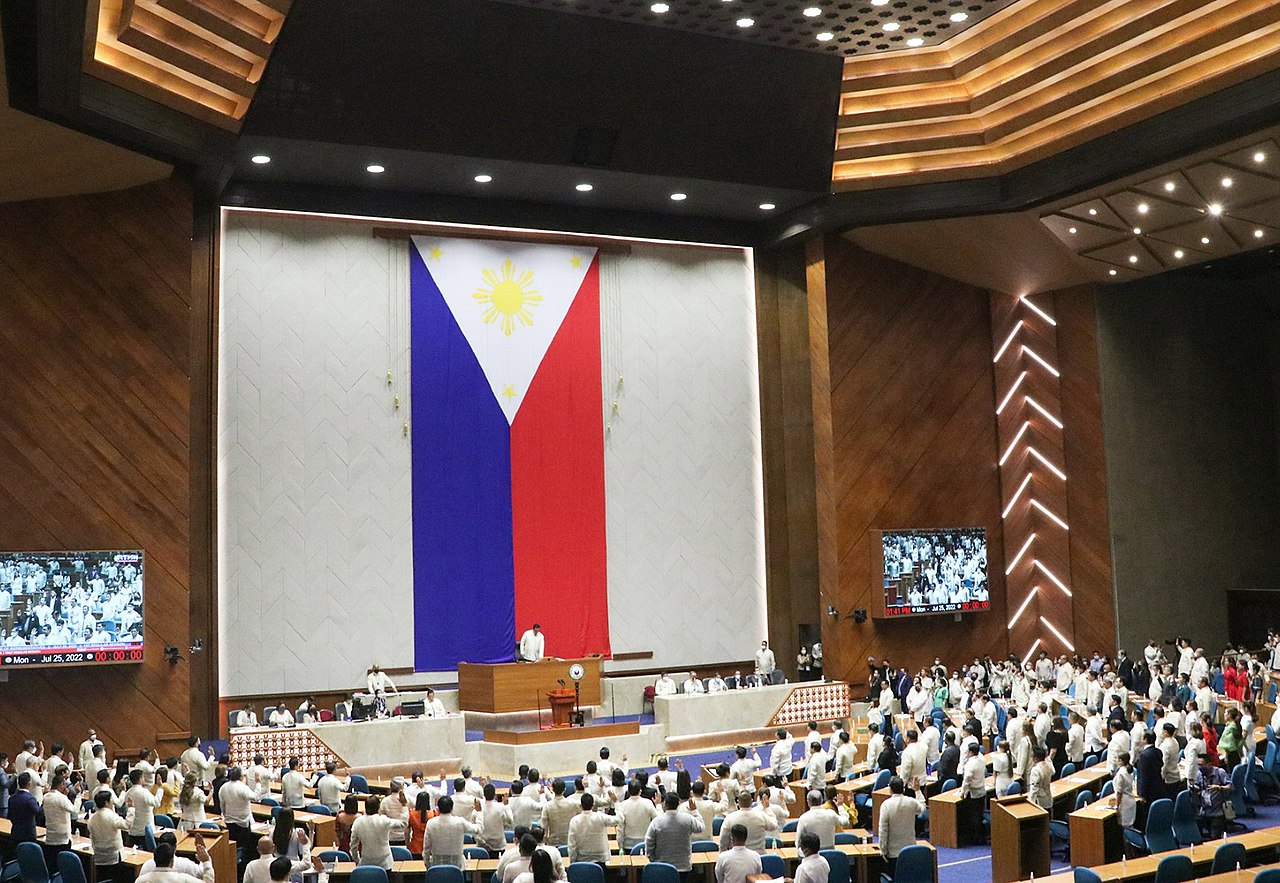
x: 202, y: 57
x: 1038, y: 78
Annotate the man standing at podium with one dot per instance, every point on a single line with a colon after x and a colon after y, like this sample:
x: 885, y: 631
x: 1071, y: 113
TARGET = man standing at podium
x: 531, y: 644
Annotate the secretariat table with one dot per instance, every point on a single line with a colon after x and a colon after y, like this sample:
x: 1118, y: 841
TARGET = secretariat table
x: 523, y: 686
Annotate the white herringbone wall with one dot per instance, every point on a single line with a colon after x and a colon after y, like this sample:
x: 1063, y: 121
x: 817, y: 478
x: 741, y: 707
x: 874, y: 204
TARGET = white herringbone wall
x: 315, y: 564
x: 683, y: 477
x: 315, y: 514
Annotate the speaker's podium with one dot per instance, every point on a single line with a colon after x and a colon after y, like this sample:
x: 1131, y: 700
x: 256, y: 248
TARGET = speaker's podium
x: 562, y: 702
x: 524, y: 686
x: 1019, y: 840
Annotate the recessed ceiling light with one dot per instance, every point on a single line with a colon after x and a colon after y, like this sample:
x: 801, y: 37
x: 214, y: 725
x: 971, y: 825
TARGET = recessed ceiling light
x: 1227, y: 182
x: 812, y: 11
x: 679, y: 197
x: 659, y: 8
x: 767, y: 206
x: 1259, y: 157
x: 916, y: 41
x: 745, y: 22
x: 584, y: 188
x: 1215, y: 209
x: 1178, y: 254
x: 891, y: 26
x: 375, y: 169
x: 1072, y: 231
x: 1112, y: 272
x: 1093, y: 211
x: 1137, y: 231
x: 260, y: 159
x: 483, y: 179
x: 959, y: 17
x: 879, y: 2
x: 1170, y: 186
x: 1143, y: 208
x: 1257, y: 234
x: 825, y: 36
x: 1133, y: 258
x: 1204, y: 240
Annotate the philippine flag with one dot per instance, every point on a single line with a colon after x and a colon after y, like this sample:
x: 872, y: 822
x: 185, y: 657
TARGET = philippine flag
x: 508, y: 450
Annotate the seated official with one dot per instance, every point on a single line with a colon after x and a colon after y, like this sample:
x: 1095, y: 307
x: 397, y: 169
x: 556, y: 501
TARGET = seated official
x: 280, y: 717
x: 692, y: 684
x: 664, y: 686
x: 245, y: 717
x: 716, y: 684
x: 432, y: 706
x: 344, y: 709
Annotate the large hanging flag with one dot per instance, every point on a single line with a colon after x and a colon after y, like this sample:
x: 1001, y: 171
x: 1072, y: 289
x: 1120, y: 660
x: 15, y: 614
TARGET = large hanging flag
x: 508, y: 450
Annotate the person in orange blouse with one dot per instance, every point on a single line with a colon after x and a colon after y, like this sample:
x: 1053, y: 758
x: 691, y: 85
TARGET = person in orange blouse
x: 422, y: 811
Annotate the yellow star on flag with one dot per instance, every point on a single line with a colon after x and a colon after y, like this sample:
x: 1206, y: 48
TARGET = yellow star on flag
x: 575, y: 262
x: 509, y: 392
x: 436, y: 253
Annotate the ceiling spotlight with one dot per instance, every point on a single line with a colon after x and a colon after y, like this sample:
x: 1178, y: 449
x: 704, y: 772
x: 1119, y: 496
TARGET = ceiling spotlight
x: 1215, y: 209
x: 891, y: 26
x: 1178, y: 254
x: 879, y: 2
x: 958, y: 17
x: 1133, y: 258
x: 1204, y: 240
x: 375, y: 169
x: 825, y: 36
x: 1143, y: 208
x: 767, y: 206
x: 1071, y: 230
x: 584, y: 188
x: 1257, y: 234
x: 679, y: 197
x: 1137, y: 231
x: 812, y: 11
x: 916, y: 41
x: 1093, y: 211
x: 1170, y: 186
x: 659, y: 8
x: 1259, y: 157
x: 1227, y: 182
x: 260, y: 159
x: 483, y: 179
x: 1112, y: 272
x: 745, y: 22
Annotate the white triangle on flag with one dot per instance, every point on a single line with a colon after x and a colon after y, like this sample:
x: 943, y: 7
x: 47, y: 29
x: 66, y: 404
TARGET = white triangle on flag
x: 509, y: 299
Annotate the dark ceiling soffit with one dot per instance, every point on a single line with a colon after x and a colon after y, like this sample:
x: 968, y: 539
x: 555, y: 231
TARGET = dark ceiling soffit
x: 1235, y: 112
x: 44, y: 42
x: 496, y: 212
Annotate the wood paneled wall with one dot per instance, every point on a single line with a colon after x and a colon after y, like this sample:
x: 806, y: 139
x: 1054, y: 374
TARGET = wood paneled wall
x: 915, y: 441
x: 913, y: 445
x: 95, y: 326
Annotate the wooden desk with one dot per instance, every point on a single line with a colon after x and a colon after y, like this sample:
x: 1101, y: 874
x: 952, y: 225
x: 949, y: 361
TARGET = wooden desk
x: 1259, y: 845
x: 522, y: 686
x: 1096, y: 835
x: 1019, y: 840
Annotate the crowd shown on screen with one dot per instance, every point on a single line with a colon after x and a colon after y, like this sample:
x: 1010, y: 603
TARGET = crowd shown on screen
x: 67, y: 603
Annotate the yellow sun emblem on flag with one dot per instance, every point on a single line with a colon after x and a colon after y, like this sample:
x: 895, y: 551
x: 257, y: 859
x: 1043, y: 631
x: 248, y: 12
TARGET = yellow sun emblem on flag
x: 506, y: 296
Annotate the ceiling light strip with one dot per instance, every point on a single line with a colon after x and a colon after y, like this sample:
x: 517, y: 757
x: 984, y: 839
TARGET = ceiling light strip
x: 1016, y: 494
x: 1057, y: 634
x: 1033, y: 354
x: 1035, y: 309
x: 1062, y: 524
x: 1044, y: 411
x: 1047, y: 464
x: 1023, y: 607
x: 1052, y: 578
x: 1026, y: 424
x: 1016, y: 558
x: 1017, y: 383
x: 1008, y: 340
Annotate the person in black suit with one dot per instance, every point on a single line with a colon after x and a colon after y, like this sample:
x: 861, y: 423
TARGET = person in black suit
x: 1150, y: 767
x: 949, y: 762
x: 1055, y: 743
x: 1116, y: 713
x: 1124, y: 668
